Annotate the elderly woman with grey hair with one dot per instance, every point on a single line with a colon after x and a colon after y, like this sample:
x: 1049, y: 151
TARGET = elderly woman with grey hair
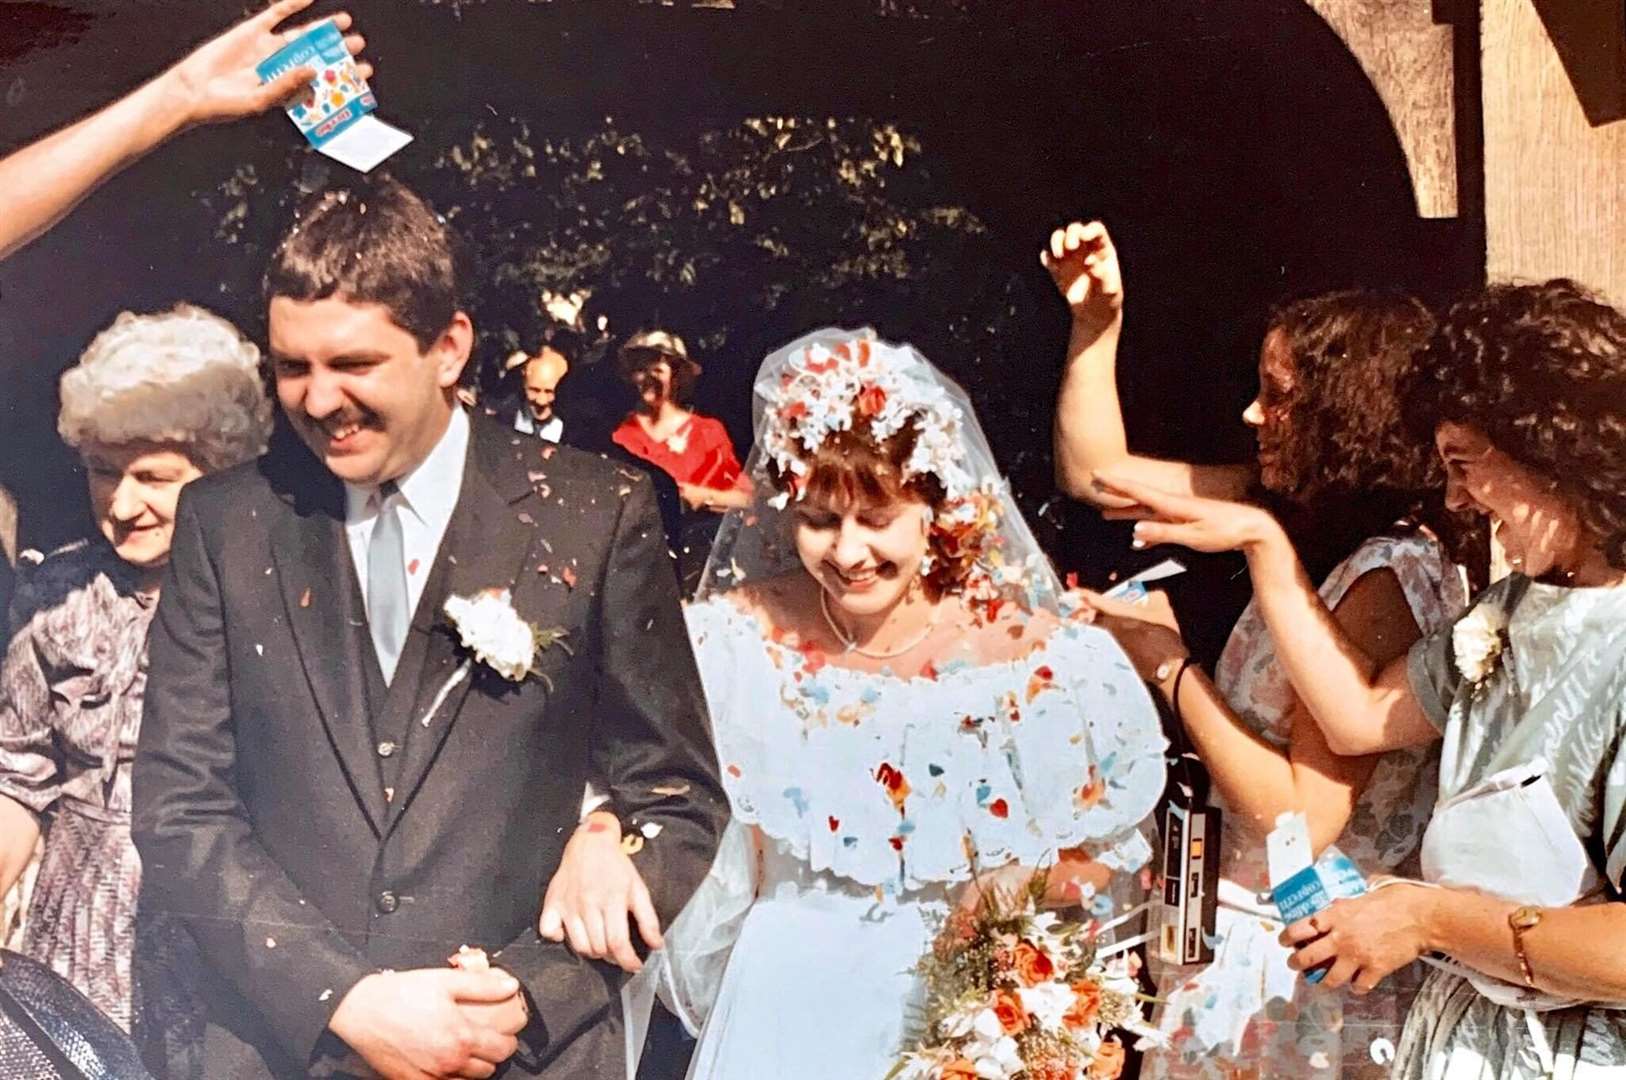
x: 154, y: 402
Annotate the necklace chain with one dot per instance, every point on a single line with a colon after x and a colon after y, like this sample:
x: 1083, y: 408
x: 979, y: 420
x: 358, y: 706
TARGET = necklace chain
x: 851, y: 645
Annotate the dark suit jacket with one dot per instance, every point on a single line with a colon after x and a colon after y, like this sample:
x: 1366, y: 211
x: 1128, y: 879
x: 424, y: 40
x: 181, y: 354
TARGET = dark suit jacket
x: 587, y: 427
x: 260, y: 813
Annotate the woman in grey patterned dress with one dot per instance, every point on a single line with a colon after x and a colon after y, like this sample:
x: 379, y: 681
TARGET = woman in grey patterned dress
x: 1523, y: 904
x: 154, y: 402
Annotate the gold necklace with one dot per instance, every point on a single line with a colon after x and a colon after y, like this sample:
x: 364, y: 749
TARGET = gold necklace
x: 852, y: 646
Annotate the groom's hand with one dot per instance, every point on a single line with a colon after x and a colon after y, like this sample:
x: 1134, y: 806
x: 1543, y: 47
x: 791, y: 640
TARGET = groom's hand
x: 430, y: 1023
x: 589, y: 898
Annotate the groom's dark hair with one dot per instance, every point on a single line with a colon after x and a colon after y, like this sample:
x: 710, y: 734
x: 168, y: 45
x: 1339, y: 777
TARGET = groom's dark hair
x: 373, y: 242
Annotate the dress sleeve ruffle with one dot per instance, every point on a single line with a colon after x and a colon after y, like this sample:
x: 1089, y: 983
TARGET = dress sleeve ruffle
x: 899, y: 784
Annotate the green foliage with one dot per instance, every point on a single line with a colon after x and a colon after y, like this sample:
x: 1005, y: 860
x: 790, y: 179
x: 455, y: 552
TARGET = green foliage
x: 707, y: 230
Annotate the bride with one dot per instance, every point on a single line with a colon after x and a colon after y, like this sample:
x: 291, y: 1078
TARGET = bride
x: 899, y: 703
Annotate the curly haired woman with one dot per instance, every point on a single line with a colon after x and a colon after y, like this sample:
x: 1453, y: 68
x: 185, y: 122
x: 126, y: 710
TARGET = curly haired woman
x: 1524, y: 390
x: 1366, y: 497
x: 154, y: 402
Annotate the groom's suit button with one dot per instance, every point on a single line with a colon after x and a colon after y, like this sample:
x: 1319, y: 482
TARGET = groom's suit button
x: 388, y: 902
x: 386, y: 748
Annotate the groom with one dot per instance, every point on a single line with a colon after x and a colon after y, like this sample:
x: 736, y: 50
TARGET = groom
x: 332, y: 792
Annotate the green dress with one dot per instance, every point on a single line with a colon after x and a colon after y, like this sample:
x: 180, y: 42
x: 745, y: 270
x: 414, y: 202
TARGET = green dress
x: 1557, y: 691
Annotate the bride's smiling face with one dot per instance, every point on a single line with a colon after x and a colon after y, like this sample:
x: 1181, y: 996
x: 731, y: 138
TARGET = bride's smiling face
x: 865, y: 555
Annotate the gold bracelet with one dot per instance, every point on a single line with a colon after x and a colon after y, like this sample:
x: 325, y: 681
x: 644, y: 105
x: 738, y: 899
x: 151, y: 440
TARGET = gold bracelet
x: 1521, y: 922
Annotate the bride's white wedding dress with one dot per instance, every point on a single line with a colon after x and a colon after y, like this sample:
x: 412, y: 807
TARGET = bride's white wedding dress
x: 859, y: 799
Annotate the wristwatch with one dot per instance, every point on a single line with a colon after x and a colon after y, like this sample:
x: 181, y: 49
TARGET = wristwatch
x: 1521, y: 922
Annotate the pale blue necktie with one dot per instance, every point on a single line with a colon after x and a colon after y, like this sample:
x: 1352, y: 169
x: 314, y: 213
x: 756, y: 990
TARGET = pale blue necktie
x: 388, y: 612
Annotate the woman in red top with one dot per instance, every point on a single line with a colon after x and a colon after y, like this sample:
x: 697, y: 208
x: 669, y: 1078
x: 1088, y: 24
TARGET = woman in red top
x: 694, y: 450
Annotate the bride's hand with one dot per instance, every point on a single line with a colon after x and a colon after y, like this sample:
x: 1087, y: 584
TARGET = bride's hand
x: 592, y: 892
x: 1188, y: 520
x: 1147, y: 632
x: 1005, y: 885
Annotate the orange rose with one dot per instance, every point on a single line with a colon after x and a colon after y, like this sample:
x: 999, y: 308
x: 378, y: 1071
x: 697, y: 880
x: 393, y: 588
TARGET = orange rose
x: 1108, y: 1062
x: 1012, y: 1016
x: 1032, y: 965
x: 959, y: 1067
x: 1086, y: 1005
x: 871, y: 400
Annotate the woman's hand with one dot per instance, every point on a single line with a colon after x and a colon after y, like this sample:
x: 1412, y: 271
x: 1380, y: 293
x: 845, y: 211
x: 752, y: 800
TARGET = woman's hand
x: 1084, y: 265
x: 1187, y: 520
x: 1005, y: 885
x: 1148, y: 632
x: 217, y: 81
x: 1365, y: 938
x: 590, y: 895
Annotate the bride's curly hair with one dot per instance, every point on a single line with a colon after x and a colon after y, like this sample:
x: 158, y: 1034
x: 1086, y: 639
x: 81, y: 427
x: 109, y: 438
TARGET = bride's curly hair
x: 1350, y: 465
x: 853, y: 467
x: 1541, y: 370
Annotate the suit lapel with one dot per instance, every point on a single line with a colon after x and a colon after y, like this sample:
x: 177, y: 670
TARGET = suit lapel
x: 329, y: 624
x: 485, y: 547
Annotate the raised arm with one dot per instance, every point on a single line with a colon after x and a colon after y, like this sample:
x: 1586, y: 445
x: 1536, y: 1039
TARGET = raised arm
x: 1089, y: 426
x: 1362, y: 703
x: 216, y: 82
x: 1258, y: 779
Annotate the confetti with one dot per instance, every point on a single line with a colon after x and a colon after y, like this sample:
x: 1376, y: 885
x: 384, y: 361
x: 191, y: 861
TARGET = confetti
x: 324, y: 995
x: 526, y: 519
x: 670, y: 789
x: 569, y: 576
x: 1382, y: 1051
x: 270, y: 942
x: 650, y: 830
x: 259, y: 649
x: 305, y: 598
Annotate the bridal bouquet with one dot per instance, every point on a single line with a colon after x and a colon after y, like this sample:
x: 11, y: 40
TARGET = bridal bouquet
x: 1015, y: 993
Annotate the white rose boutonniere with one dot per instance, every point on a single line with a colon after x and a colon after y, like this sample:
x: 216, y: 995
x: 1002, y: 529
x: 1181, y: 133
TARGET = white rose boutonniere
x: 490, y: 628
x: 1478, y: 639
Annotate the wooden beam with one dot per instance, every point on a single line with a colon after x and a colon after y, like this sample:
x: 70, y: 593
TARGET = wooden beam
x: 1590, y: 36
x: 1555, y: 185
x: 1408, y: 57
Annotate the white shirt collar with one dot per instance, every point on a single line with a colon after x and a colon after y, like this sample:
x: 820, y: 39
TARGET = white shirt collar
x: 430, y: 491
x: 525, y: 421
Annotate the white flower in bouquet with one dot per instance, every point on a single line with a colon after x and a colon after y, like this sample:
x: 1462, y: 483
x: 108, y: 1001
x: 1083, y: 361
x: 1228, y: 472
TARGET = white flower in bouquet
x: 995, y: 1053
x: 1477, y: 640
x: 490, y: 628
x: 1048, y: 1002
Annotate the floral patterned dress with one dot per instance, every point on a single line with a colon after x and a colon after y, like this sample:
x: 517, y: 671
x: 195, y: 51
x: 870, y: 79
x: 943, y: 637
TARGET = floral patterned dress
x: 1248, y: 1016
x: 868, y: 795
x: 70, y: 709
x: 1556, y: 693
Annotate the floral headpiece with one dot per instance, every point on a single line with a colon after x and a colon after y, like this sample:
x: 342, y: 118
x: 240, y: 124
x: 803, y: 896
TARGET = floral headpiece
x: 827, y: 387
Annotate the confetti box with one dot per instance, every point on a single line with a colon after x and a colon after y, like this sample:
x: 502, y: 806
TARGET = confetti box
x: 334, y: 112
x: 1301, y: 885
